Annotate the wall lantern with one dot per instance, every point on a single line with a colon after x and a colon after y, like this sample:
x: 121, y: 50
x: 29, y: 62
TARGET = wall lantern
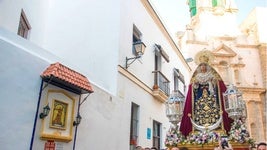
x: 78, y: 120
x: 139, y: 48
x: 174, y: 108
x: 45, y: 112
x: 233, y: 103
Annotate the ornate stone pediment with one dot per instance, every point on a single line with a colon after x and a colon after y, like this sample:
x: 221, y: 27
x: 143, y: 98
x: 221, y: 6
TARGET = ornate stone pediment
x: 223, y: 51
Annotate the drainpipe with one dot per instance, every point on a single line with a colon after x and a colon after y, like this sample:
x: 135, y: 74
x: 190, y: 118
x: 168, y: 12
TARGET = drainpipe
x: 78, y: 112
x: 76, y: 127
x: 36, y: 114
x: 37, y: 109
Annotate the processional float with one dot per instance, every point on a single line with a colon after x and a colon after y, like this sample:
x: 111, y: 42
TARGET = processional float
x: 199, y: 120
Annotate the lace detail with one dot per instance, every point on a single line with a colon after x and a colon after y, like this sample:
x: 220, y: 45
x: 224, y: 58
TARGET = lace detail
x: 204, y: 78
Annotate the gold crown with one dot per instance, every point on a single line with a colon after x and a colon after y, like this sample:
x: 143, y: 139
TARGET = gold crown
x: 204, y: 56
x: 203, y: 59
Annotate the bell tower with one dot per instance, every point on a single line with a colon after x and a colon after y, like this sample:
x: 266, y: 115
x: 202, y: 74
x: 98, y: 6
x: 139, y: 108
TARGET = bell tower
x: 212, y: 18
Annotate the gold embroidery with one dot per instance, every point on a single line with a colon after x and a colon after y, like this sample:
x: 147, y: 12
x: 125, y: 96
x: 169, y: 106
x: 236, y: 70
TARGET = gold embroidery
x: 206, y: 110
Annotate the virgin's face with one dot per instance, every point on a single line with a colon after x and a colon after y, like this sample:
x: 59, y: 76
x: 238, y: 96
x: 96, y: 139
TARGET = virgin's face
x: 203, y: 68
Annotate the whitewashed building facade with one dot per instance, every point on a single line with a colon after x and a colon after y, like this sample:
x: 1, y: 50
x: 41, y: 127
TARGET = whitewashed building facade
x: 93, y: 39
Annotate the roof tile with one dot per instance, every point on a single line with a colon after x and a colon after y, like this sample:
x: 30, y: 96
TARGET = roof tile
x: 67, y: 75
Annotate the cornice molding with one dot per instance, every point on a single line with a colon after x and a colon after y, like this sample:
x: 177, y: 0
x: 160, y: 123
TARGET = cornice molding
x: 196, y: 42
x: 262, y: 45
x: 237, y: 65
x: 252, y: 90
x: 246, y: 46
x: 223, y: 51
x: 254, y: 101
x: 225, y: 38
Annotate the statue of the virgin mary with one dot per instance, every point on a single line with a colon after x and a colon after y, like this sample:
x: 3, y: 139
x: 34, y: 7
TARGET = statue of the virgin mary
x: 204, y: 106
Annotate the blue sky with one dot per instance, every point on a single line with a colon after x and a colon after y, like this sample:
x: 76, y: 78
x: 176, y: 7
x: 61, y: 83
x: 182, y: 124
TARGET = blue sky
x: 175, y: 13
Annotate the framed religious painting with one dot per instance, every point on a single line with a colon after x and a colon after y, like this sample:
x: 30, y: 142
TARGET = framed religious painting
x: 59, y: 115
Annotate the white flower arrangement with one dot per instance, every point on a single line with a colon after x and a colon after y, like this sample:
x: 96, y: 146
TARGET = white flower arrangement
x: 201, y: 138
x: 238, y: 133
x: 174, y: 137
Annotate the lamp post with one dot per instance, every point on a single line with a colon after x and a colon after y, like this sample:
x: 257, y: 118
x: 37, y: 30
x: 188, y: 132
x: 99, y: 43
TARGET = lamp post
x: 78, y: 120
x: 233, y: 103
x: 174, y: 112
x: 174, y: 108
x: 45, y: 112
x: 235, y: 106
x: 139, y: 48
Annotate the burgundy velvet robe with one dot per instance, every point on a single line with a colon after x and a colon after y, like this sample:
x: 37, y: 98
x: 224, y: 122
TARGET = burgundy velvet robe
x: 186, y: 125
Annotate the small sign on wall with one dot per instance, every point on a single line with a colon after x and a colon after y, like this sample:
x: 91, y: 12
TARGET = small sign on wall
x: 50, y: 145
x: 59, y: 146
x: 148, y: 133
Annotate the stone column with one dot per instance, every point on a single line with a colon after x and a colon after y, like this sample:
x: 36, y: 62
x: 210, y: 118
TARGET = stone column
x: 263, y: 60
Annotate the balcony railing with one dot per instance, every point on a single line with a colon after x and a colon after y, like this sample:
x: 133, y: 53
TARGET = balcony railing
x: 161, y: 82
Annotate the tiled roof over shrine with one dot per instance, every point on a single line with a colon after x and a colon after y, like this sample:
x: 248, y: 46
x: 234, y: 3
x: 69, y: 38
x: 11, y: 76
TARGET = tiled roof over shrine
x: 61, y: 74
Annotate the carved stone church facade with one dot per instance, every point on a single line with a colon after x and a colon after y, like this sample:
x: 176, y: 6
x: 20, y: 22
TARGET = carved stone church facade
x: 239, y: 53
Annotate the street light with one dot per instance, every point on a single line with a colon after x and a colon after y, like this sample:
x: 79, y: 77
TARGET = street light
x: 233, y: 103
x: 45, y: 112
x: 139, y: 48
x: 78, y: 120
x: 235, y: 106
x: 174, y: 108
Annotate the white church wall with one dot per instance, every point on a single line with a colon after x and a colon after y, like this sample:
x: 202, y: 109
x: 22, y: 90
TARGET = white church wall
x: 22, y: 63
x: 20, y: 79
x: 261, y: 13
x: 249, y: 56
x: 105, y: 124
x: 35, y: 13
x: 91, y: 30
x: 82, y: 32
x: 256, y: 24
